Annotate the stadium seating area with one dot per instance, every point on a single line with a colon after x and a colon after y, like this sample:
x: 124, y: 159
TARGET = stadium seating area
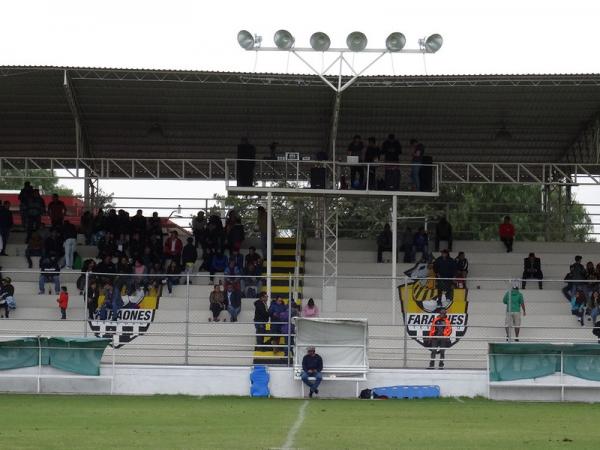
x: 548, y: 314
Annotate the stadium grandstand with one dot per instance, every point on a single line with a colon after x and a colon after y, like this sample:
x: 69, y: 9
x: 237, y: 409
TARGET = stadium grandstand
x: 498, y: 130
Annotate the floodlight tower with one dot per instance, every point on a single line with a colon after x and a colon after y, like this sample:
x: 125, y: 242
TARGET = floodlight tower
x: 356, y: 42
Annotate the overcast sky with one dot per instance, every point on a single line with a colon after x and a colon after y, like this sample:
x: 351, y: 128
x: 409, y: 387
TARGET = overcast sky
x: 509, y: 37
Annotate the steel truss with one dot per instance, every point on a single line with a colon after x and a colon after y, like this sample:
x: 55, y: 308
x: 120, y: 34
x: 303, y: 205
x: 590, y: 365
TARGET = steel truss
x: 330, y: 243
x: 586, y: 146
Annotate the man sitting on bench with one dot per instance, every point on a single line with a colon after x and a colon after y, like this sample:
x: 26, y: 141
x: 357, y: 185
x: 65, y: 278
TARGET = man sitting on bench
x: 312, y: 366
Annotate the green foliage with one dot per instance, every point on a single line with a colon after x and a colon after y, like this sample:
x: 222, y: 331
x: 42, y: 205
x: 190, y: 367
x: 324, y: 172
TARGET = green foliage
x: 14, y: 179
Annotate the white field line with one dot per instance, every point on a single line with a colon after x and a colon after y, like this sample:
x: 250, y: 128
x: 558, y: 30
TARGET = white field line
x: 289, y: 442
x: 459, y: 400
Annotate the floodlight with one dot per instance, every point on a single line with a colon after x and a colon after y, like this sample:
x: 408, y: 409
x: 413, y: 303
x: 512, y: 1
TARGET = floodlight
x: 320, y: 41
x: 283, y: 40
x: 246, y: 40
x: 356, y: 41
x: 395, y: 42
x: 433, y: 43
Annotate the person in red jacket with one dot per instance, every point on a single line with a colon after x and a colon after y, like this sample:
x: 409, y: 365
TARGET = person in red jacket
x: 63, y: 302
x: 173, y: 248
x: 439, y: 337
x: 506, y: 231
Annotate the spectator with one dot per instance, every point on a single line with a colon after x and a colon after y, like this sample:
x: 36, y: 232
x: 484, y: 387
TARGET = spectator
x: 391, y: 149
x: 218, y: 265
x: 237, y: 259
x: 439, y: 338
x: 189, y: 255
x: 236, y: 236
x: 93, y: 294
x: 532, y: 268
x: 89, y: 265
x: 140, y: 270
x: 69, y: 233
x: 372, y: 155
x: 139, y: 224
x: 312, y: 366
x: 251, y: 283
x: 416, y: 163
x: 107, y: 246
x: 35, y: 247
x: 462, y: 270
x: 50, y: 273
x: 106, y: 269
x: 514, y: 302
x: 124, y: 270
x: 217, y: 304
x: 173, y: 247
x: 445, y: 271
x: 261, y: 318
x: 86, y: 226
x: 234, y: 302
x: 406, y: 245
x: 7, y: 296
x: 25, y: 197
x: 310, y: 309
x: 356, y: 148
x: 594, y: 304
x: 232, y: 275
x: 54, y: 243
x: 115, y: 299
x: 173, y: 275
x: 578, y: 303
x: 591, y: 277
x: 63, y: 302
x: 35, y: 209
x: 199, y: 230
x: 443, y: 232
x: 56, y: 211
x: 575, y: 278
x: 421, y: 242
x: 506, y: 231
x: 384, y: 242
x: 253, y: 257
x: 155, y: 226
x: 6, y: 223
x: 246, y: 152
x: 276, y: 308
x: 262, y: 228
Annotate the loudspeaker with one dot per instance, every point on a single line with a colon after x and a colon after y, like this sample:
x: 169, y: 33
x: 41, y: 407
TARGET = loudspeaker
x: 317, y: 177
x: 426, y: 174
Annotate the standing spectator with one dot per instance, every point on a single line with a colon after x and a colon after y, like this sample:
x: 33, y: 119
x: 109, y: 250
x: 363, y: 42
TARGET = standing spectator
x: 443, y: 232
x: 439, y: 338
x: 35, y: 210
x: 189, y: 256
x: 462, y: 270
x: 173, y: 247
x: 246, y: 153
x: 50, y: 273
x: 86, y: 226
x: 372, y: 155
x: 25, y: 197
x: 93, y: 294
x: 276, y: 308
x: 416, y: 163
x: 594, y: 304
x: 356, y: 148
x: 155, y: 226
x: 106, y: 269
x: 6, y: 223
x: 218, y: 263
x: 506, y: 231
x: 56, y: 211
x: 173, y: 275
x: 63, y: 302
x: 261, y: 318
x: 139, y: 224
x: 310, y: 309
x: 7, y: 296
x: 445, y: 271
x: 532, y: 268
x: 384, y: 242
x: 235, y: 235
x: 406, y: 245
x: 421, y: 242
x: 514, y: 302
x: 216, y: 304
x: 234, y: 302
x: 312, y: 366
x: 69, y: 233
x: 391, y: 149
x: 199, y: 230
x: 262, y: 228
x: 35, y: 247
x: 575, y: 278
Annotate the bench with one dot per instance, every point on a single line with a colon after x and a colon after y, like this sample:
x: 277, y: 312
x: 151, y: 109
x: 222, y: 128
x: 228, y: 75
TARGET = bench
x: 355, y: 374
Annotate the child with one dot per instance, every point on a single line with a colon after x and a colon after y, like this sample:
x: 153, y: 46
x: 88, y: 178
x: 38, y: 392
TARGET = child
x: 63, y: 302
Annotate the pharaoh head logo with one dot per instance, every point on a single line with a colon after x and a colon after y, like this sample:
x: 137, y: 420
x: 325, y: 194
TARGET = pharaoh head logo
x: 421, y: 298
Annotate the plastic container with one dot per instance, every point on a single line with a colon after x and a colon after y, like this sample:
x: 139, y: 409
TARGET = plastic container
x: 259, y: 379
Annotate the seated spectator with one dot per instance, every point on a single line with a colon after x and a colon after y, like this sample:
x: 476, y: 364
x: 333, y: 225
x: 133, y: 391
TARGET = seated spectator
x: 89, y: 265
x: 156, y: 276
x: 35, y: 247
x: 532, y: 268
x: 310, y: 309
x: 189, y: 255
x: 312, y: 366
x: 124, y: 269
x: 251, y: 284
x: 217, y: 304
x: 50, y: 273
x: 136, y: 245
x: 7, y: 297
x: 106, y: 269
x: 148, y: 258
x: 140, y: 270
x: 591, y: 277
x: 173, y: 275
x: 421, y: 242
x: 237, y: 259
x: 233, y: 299
x: 406, y: 245
x: 594, y: 305
x: 575, y: 278
x: 443, y: 232
x: 107, y: 245
x: 384, y: 242
x: 173, y: 247
x: 236, y: 236
x: 232, y: 276
x: 253, y: 257
x: 54, y: 244
x: 578, y: 303
x: 113, y: 301
x: 462, y: 270
x: 506, y: 231
x: 218, y: 264
x: 445, y: 271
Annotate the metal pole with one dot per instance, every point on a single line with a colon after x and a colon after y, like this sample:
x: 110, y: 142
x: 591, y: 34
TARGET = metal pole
x: 85, y: 305
x: 394, y: 254
x: 187, y: 318
x: 405, y: 337
x: 334, y: 126
x: 269, y: 240
x: 289, y: 336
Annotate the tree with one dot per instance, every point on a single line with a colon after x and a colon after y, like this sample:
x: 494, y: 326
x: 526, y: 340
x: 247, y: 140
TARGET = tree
x: 46, y: 179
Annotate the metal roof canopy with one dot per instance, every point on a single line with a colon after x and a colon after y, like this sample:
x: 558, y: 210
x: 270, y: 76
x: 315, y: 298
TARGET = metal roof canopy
x: 58, y: 112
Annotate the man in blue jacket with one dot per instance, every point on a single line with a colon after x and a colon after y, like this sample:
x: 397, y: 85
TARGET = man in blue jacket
x: 312, y: 366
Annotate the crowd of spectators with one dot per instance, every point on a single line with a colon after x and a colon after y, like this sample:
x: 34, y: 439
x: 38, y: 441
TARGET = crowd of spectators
x: 582, y: 290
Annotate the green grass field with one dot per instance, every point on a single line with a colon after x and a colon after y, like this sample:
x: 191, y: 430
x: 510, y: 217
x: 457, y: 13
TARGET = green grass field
x: 178, y: 422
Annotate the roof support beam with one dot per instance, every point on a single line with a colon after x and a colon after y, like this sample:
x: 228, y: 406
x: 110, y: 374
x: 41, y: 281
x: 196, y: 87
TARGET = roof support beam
x: 81, y: 136
x: 586, y: 147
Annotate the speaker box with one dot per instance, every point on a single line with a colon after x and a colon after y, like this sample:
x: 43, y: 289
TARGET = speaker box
x: 317, y: 177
